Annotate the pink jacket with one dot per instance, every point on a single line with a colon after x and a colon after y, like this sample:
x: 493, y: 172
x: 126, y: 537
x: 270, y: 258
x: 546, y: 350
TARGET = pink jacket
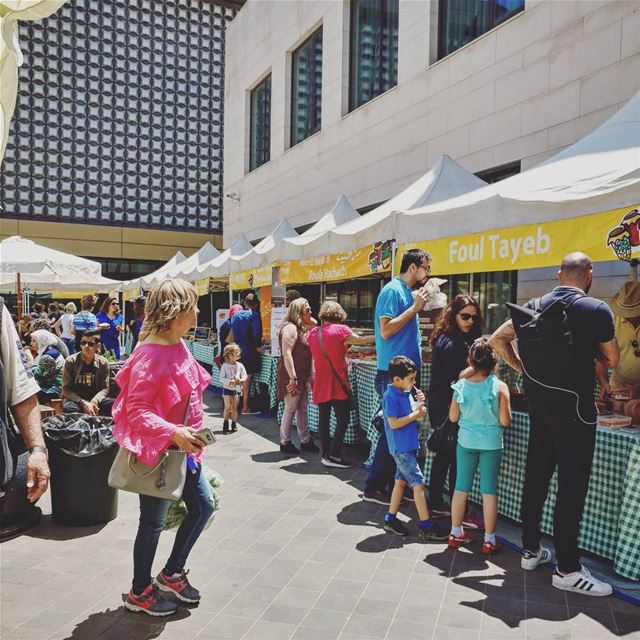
x: 156, y: 382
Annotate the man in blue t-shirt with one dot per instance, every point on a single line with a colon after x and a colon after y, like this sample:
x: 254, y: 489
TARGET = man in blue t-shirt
x: 247, y: 334
x: 563, y: 425
x: 401, y: 430
x: 397, y: 334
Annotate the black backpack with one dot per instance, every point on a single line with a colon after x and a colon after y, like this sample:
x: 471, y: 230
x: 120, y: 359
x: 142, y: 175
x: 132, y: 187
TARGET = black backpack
x: 546, y: 348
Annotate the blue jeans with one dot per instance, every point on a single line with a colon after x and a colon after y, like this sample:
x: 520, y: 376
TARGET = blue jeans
x: 71, y: 345
x: 407, y: 468
x: 153, y: 512
x: 383, y: 468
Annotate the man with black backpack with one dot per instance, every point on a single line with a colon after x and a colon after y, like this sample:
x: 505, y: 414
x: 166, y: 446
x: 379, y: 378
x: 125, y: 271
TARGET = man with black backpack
x: 560, y: 337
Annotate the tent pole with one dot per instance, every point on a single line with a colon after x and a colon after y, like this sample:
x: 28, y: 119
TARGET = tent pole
x: 213, y: 326
x: 394, y: 248
x: 19, y: 297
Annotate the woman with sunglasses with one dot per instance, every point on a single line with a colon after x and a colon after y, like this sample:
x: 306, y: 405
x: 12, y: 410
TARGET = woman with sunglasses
x: 458, y: 326
x: 111, y: 323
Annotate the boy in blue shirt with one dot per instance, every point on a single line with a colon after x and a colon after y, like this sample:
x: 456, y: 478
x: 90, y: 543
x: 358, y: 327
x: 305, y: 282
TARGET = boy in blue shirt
x: 401, y: 428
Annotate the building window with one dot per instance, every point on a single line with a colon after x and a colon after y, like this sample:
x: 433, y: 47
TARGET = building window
x: 495, y: 174
x: 461, y: 21
x: 306, y: 88
x: 260, y: 147
x: 491, y: 290
x: 373, y: 65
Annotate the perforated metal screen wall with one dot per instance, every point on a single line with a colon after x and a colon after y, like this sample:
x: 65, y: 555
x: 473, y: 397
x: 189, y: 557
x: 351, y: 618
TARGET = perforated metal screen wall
x: 119, y: 116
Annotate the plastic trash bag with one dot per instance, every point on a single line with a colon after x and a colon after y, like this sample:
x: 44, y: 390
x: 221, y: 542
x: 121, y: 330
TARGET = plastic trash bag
x: 78, y: 434
x: 178, y: 510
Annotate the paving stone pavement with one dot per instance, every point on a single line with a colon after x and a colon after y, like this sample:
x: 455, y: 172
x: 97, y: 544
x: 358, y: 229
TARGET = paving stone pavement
x: 293, y: 553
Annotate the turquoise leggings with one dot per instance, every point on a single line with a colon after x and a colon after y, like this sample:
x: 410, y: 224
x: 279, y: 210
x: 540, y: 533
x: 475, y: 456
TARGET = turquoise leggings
x: 467, y: 461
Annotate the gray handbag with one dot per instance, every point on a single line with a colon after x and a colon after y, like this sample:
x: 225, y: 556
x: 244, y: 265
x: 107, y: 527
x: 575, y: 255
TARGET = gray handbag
x: 163, y: 480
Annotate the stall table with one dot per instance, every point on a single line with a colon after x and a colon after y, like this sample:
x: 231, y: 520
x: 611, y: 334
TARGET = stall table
x: 612, y: 508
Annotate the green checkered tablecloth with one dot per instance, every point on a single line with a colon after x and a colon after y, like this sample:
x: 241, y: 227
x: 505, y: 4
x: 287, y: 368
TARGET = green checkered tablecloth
x: 627, y: 555
x: 612, y: 507
x: 352, y: 433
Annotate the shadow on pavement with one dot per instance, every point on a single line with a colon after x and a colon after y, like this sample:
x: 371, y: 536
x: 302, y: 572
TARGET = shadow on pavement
x: 47, y: 529
x: 509, y: 594
x: 120, y: 624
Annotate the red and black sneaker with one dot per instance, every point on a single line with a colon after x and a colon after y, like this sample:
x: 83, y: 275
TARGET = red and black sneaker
x: 151, y: 602
x: 455, y: 542
x: 179, y: 586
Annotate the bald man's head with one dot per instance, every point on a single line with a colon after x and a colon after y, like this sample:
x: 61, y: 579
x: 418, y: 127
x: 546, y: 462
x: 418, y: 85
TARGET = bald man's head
x: 576, y: 270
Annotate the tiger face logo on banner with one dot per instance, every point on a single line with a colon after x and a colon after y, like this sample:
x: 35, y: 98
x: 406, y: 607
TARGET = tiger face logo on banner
x: 624, y: 239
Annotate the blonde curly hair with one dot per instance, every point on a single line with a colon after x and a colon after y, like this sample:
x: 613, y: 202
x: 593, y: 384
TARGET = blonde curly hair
x: 165, y: 301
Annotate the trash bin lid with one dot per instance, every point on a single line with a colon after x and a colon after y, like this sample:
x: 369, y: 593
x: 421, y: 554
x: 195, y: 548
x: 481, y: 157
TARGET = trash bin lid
x: 78, y: 434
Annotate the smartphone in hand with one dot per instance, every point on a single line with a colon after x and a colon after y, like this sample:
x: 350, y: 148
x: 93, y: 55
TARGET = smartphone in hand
x: 206, y: 435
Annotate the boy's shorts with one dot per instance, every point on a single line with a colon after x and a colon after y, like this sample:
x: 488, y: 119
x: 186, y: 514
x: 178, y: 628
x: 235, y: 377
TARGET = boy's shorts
x: 230, y: 392
x: 407, y: 468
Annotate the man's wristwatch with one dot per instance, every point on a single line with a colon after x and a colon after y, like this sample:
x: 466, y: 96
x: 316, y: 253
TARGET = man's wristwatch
x: 39, y: 450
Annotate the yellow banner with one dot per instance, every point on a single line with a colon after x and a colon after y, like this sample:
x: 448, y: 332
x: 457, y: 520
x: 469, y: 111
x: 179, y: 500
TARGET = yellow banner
x: 202, y: 286
x: 251, y: 278
x: 131, y: 294
x: 609, y: 235
x: 365, y: 261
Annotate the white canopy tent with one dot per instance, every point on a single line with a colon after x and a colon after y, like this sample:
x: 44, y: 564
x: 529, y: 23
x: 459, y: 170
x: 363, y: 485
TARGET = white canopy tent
x: 219, y: 266
x: 257, y: 257
x: 147, y: 281
x: 600, y: 172
x: 25, y: 264
x: 293, y: 248
x: 205, y: 254
x: 37, y: 263
x: 444, y: 180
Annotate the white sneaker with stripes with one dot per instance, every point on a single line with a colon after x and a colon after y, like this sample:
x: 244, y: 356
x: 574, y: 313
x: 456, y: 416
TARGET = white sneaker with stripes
x: 530, y: 560
x: 581, y: 582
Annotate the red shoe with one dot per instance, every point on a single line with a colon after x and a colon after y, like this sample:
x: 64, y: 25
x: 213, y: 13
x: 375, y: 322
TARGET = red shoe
x: 472, y: 521
x: 489, y: 549
x: 179, y: 586
x: 150, y: 602
x: 455, y: 542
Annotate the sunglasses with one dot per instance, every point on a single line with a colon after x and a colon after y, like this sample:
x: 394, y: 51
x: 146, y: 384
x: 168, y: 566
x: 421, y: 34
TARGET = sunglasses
x: 87, y: 343
x: 115, y: 304
x: 468, y: 316
x: 636, y: 346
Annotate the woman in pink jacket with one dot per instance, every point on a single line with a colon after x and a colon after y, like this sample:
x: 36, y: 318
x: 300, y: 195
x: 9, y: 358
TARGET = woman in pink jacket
x: 161, y: 383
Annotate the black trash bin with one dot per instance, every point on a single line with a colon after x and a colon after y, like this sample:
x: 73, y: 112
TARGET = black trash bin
x: 81, y: 451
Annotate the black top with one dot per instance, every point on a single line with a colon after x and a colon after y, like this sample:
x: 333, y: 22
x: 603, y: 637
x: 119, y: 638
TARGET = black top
x: 591, y: 323
x: 448, y: 359
x: 86, y: 386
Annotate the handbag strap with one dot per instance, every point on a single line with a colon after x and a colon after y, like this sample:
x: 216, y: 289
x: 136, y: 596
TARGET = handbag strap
x: 163, y: 459
x: 336, y: 375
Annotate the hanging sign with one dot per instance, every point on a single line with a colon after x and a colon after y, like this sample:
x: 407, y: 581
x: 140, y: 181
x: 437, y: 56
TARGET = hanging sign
x: 250, y: 278
x: 277, y: 316
x: 602, y: 236
x: 202, y: 286
x: 365, y: 261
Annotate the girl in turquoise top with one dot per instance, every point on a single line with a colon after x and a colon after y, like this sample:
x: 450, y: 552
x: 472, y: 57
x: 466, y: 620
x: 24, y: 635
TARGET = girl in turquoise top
x: 481, y: 407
